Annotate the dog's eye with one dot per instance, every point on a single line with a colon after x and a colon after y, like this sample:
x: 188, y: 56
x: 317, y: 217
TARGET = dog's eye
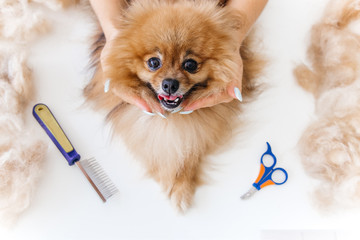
x: 154, y: 63
x: 190, y: 65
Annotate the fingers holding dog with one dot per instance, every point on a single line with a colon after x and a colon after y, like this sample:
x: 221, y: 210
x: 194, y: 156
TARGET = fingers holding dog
x: 232, y: 91
x: 136, y: 96
x: 210, y: 101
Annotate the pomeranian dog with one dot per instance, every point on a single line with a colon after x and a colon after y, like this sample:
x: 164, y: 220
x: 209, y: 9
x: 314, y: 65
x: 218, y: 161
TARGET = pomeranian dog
x: 173, y: 53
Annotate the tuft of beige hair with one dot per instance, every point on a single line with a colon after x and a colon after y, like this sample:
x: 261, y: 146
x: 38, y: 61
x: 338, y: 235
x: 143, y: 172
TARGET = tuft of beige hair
x: 330, y: 146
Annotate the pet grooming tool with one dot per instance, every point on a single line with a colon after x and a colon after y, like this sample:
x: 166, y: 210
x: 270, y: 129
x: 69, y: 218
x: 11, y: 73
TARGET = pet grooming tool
x: 268, y: 175
x: 89, y: 167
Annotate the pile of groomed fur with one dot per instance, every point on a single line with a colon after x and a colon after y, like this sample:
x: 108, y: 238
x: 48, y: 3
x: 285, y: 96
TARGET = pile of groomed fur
x: 21, y: 155
x: 330, y: 146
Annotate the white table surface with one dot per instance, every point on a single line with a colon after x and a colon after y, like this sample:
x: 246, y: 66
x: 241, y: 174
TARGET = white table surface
x: 66, y: 207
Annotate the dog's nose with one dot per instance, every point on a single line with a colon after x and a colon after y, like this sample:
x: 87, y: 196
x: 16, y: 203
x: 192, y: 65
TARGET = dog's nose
x: 170, y: 86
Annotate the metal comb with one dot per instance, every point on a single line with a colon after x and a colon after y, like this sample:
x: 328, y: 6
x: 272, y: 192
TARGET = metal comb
x: 89, y: 167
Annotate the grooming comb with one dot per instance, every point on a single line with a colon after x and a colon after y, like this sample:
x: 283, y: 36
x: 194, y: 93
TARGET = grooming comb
x: 89, y: 167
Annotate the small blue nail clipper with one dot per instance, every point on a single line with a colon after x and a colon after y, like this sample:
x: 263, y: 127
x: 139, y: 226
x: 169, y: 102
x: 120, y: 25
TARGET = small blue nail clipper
x: 268, y: 175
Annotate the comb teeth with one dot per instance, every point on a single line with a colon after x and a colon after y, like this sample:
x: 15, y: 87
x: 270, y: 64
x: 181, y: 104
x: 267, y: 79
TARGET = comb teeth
x: 99, y: 177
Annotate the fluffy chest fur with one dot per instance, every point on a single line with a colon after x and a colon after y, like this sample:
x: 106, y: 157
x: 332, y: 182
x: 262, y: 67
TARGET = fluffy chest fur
x: 178, y: 137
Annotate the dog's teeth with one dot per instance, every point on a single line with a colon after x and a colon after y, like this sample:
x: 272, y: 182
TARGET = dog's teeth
x: 176, y: 100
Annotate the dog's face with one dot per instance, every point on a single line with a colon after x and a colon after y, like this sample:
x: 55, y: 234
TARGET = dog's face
x: 174, y: 53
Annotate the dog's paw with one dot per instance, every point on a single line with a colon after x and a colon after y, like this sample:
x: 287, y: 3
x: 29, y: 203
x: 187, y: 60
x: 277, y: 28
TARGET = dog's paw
x: 181, y: 195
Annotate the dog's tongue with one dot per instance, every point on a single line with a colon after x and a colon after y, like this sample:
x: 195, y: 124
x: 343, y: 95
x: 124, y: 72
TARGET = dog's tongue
x: 170, y: 97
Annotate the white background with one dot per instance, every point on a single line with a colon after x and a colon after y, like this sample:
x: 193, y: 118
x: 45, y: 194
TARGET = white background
x: 66, y: 207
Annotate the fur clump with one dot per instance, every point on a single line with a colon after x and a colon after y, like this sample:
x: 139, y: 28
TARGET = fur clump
x: 56, y: 4
x: 21, y: 155
x: 20, y: 22
x: 174, y: 150
x: 23, y: 20
x: 330, y: 146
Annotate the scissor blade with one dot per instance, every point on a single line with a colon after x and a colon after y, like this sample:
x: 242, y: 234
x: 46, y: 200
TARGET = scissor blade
x: 249, y: 193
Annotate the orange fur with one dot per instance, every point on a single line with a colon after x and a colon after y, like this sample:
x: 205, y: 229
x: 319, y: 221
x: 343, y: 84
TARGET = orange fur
x: 173, y: 149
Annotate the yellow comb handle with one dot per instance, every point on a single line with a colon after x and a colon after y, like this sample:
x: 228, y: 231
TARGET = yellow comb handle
x: 48, y: 122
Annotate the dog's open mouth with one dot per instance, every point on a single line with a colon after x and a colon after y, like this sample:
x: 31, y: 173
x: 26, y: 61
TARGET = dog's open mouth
x: 170, y: 101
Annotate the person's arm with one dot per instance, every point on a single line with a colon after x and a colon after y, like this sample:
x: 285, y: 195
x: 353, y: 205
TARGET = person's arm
x: 251, y: 10
x: 107, y: 11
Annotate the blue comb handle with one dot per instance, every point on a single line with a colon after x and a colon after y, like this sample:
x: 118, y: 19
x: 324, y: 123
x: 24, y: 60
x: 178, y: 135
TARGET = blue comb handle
x: 48, y: 122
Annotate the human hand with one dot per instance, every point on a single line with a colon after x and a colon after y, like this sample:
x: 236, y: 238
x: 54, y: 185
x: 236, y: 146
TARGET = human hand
x: 130, y: 97
x: 252, y: 10
x: 233, y: 91
x: 108, y: 13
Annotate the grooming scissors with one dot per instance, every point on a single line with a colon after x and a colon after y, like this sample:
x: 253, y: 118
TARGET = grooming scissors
x: 268, y: 175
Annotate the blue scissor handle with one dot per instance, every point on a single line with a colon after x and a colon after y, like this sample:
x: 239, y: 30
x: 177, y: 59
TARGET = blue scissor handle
x: 282, y: 170
x: 268, y: 152
x: 265, y: 175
